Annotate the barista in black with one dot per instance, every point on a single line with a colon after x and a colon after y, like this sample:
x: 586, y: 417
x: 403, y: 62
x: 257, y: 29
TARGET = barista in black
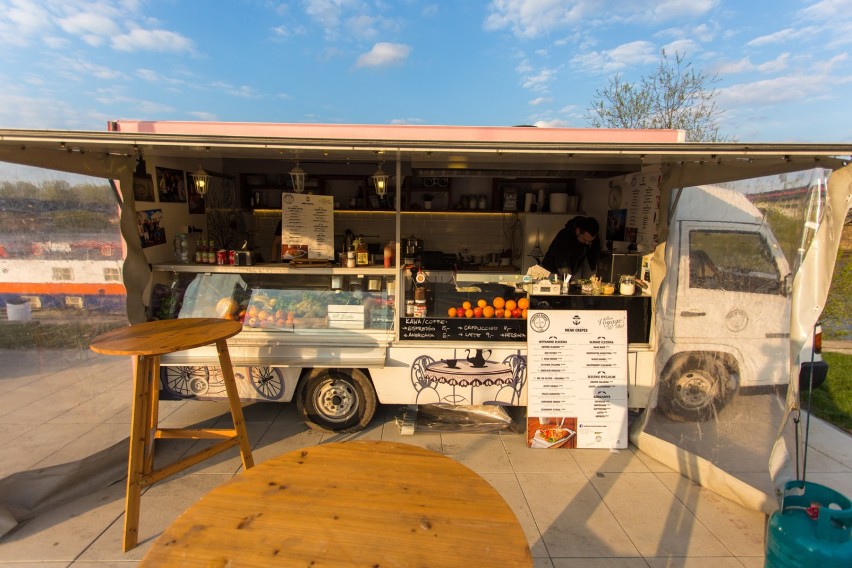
x: 576, y: 242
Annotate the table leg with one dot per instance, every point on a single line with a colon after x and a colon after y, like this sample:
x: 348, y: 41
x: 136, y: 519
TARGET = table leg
x: 234, y: 400
x: 138, y: 417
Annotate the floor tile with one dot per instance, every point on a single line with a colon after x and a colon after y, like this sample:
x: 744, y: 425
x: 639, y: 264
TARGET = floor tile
x: 610, y: 562
x: 509, y: 488
x: 483, y: 453
x: 39, y: 444
x: 672, y: 529
x: 527, y: 460
x: 594, y: 461
x: 693, y: 562
x: 573, y: 520
x: 739, y: 529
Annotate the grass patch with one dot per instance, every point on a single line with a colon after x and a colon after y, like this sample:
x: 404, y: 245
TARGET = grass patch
x: 832, y: 402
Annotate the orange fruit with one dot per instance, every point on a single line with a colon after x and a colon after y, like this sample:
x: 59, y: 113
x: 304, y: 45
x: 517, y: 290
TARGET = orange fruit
x: 468, y: 313
x: 498, y: 313
x: 507, y: 313
x: 524, y: 313
x: 481, y: 303
x: 511, y: 305
x: 451, y: 312
x: 523, y: 303
x: 466, y: 305
x: 498, y: 302
x: 477, y: 312
x: 488, y: 311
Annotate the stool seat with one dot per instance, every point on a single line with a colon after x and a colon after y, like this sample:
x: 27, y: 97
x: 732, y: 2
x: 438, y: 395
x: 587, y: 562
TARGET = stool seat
x: 145, y: 342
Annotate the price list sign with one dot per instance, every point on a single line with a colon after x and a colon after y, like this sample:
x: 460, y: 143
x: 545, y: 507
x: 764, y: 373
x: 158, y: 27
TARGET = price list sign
x: 577, y: 379
x: 307, y: 226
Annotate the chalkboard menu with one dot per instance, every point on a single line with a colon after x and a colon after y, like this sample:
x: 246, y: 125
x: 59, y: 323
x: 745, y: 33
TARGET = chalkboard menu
x: 480, y: 329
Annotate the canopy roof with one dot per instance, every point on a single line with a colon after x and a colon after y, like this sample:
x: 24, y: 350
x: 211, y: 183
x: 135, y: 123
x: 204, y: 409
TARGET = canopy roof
x: 423, y: 150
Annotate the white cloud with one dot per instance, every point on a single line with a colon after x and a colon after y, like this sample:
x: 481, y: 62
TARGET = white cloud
x: 407, y: 121
x: 151, y: 40
x: 784, y: 36
x: 623, y: 56
x: 681, y: 47
x: 828, y: 10
x: 384, y: 54
x: 202, y: 115
x: 241, y: 91
x: 89, y: 24
x: 552, y: 123
x: 777, y: 65
x: 540, y: 101
x: 80, y: 67
x: 22, y: 20
x: 536, y: 18
x: 772, y: 91
x: 540, y: 82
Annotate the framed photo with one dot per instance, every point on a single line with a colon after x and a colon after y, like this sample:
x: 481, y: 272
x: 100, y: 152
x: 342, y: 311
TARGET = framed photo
x: 196, y: 201
x: 151, y: 233
x: 171, y: 185
x: 143, y: 188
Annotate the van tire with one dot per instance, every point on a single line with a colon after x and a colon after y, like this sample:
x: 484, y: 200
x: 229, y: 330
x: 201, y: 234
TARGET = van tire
x: 693, y: 388
x: 336, y: 400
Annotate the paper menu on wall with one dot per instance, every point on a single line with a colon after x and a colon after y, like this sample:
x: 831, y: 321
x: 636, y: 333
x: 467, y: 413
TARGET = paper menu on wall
x: 307, y: 226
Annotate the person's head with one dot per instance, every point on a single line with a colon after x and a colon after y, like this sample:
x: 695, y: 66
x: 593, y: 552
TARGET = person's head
x: 587, y: 230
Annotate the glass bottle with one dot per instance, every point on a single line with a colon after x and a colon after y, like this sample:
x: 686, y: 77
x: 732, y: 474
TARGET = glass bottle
x: 362, y: 254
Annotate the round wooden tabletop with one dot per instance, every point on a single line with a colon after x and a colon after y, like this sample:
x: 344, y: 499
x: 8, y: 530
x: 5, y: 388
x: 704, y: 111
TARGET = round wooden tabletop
x: 164, y: 336
x: 352, y: 503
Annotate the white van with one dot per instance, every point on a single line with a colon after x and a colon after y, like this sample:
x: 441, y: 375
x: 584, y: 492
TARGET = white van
x: 724, y: 305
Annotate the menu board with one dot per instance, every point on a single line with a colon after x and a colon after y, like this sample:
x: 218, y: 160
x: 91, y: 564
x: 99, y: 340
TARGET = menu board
x: 577, y: 379
x: 480, y: 329
x: 307, y: 226
x: 642, y: 209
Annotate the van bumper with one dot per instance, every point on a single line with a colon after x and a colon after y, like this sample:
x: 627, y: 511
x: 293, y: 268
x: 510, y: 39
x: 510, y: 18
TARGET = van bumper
x: 820, y: 372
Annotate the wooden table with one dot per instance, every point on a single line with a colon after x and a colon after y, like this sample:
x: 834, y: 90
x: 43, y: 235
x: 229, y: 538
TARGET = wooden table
x: 146, y: 342
x: 350, y: 503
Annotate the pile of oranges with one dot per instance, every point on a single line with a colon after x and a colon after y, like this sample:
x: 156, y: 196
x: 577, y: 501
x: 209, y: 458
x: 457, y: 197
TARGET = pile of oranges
x: 498, y: 308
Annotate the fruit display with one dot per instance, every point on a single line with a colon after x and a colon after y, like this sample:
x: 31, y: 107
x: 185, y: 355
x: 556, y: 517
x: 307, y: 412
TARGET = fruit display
x: 266, y: 310
x: 499, y: 307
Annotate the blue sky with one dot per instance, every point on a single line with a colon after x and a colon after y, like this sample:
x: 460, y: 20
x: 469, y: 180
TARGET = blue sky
x: 784, y: 68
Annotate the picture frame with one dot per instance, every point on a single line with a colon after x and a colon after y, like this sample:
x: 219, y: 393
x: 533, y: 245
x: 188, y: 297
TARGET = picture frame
x: 171, y: 185
x: 143, y: 188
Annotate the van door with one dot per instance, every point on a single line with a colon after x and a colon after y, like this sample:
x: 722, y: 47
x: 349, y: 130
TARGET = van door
x: 731, y: 298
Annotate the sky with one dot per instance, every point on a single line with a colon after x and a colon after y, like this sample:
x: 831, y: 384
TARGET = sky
x: 783, y: 68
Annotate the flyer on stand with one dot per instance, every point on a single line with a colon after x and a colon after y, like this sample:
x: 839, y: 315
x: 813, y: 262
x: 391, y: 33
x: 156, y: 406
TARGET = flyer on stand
x: 577, y: 379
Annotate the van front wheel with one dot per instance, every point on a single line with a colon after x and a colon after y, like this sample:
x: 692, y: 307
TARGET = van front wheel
x: 693, y: 389
x: 336, y: 400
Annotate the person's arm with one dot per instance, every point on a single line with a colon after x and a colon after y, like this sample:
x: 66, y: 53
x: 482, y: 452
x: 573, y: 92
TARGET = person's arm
x: 556, y: 253
x: 276, y: 244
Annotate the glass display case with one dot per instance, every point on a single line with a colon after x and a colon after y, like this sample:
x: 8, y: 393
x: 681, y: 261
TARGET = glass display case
x: 287, y: 313
x: 476, y: 305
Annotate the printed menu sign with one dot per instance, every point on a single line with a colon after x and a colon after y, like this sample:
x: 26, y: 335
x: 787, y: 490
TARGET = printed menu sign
x: 577, y: 379
x: 307, y: 226
x: 642, y: 209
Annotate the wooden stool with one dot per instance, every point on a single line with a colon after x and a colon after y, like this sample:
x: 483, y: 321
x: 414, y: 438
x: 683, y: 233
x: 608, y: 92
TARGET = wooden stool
x: 146, y: 342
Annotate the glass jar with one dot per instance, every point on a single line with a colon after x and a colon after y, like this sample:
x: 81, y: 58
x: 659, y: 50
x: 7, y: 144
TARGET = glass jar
x: 626, y: 284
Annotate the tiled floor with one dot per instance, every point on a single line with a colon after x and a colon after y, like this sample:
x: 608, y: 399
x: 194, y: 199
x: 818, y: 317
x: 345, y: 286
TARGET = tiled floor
x: 68, y: 413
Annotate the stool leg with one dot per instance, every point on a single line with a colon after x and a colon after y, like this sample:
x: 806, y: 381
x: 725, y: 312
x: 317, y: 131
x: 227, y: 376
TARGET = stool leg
x: 152, y: 416
x: 234, y: 400
x: 138, y: 417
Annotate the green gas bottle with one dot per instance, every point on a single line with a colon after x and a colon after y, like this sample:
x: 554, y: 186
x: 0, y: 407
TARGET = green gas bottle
x: 813, y: 528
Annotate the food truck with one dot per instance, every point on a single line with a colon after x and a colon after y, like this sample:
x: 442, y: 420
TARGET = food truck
x: 407, y: 266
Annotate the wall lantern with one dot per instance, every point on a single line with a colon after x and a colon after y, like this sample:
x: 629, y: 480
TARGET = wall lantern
x: 201, y: 180
x: 380, y: 180
x: 297, y: 176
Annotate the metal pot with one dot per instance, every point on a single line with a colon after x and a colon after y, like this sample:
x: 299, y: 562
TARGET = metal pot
x: 412, y: 246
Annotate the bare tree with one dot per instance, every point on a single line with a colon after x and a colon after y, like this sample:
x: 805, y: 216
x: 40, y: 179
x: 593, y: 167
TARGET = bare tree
x: 676, y: 95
